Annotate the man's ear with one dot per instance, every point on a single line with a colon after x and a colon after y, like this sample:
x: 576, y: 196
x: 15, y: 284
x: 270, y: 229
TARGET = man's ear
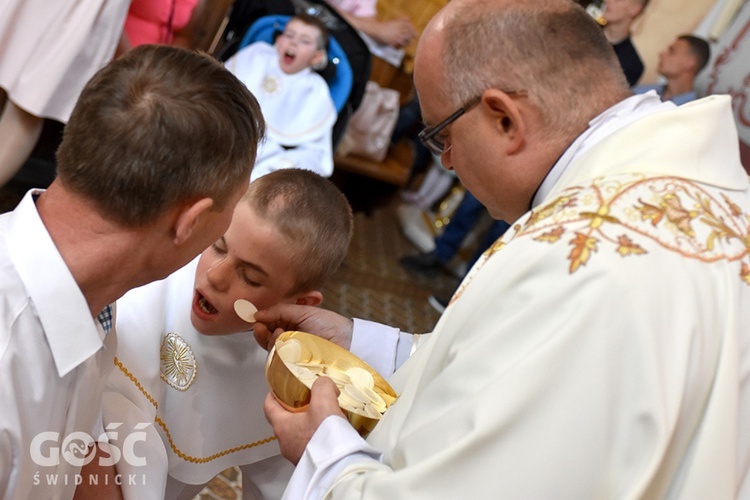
x: 311, y: 298
x: 692, y: 66
x: 187, y: 218
x: 507, y: 117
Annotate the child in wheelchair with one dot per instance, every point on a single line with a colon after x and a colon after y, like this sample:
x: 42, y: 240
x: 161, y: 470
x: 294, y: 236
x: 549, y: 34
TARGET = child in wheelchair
x: 294, y: 98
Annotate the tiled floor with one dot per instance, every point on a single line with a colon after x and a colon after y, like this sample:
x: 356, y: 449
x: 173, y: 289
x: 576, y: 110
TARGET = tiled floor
x: 369, y: 285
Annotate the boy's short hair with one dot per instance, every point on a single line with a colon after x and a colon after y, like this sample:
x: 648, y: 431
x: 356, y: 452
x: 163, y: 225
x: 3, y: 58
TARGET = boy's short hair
x: 313, y: 214
x: 315, y: 22
x: 158, y: 127
x: 700, y: 49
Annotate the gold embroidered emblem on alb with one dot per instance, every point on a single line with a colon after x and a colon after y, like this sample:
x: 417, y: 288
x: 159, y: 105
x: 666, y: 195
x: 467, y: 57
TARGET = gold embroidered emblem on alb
x: 178, y: 364
x: 270, y: 84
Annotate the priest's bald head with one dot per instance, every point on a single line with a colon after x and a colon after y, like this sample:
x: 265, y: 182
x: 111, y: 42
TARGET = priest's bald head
x: 524, y: 78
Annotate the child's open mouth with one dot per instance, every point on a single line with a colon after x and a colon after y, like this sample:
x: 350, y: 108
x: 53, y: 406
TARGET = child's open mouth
x: 203, y: 306
x: 288, y: 57
x: 206, y: 306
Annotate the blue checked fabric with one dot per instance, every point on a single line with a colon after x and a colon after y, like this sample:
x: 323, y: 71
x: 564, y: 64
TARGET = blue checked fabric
x: 105, y: 319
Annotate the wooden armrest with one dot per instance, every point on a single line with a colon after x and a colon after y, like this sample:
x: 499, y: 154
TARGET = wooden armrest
x: 395, y: 169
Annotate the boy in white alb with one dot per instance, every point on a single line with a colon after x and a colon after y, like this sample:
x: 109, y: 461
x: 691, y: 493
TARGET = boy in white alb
x: 296, y: 101
x: 189, y: 382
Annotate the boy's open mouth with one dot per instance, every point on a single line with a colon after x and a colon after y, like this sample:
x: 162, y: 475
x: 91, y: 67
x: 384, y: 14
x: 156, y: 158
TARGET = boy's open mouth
x: 288, y: 56
x: 204, y: 304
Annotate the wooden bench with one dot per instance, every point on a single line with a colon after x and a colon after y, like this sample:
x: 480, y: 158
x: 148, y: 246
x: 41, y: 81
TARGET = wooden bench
x: 394, y: 169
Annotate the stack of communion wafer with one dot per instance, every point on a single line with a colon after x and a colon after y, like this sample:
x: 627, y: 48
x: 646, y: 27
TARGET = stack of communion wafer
x: 356, y: 384
x: 298, y: 359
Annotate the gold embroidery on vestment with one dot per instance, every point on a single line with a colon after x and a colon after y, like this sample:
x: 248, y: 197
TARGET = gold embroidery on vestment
x: 680, y: 216
x: 630, y: 213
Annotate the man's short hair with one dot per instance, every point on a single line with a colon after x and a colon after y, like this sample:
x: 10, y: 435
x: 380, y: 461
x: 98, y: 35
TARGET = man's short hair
x: 700, y: 49
x: 553, y: 50
x: 313, y: 214
x: 156, y: 128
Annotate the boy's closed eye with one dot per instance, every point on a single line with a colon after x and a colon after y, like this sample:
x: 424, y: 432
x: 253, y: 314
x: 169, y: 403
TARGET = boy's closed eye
x: 252, y: 274
x: 249, y: 281
x: 219, y: 247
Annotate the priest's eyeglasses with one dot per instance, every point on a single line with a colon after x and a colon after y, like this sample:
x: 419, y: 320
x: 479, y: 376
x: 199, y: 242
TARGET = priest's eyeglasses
x: 429, y: 136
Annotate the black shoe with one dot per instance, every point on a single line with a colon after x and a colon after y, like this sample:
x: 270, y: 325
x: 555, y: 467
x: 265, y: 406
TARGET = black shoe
x: 438, y: 303
x: 426, y: 264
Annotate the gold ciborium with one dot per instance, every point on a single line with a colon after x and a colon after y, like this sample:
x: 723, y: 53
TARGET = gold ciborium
x: 298, y: 358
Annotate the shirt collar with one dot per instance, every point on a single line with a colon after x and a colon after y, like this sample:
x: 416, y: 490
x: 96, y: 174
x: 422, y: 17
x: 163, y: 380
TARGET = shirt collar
x: 610, y: 121
x: 73, y: 335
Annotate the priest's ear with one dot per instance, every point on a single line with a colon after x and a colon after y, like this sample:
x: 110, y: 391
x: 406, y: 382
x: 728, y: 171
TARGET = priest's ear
x: 508, y: 118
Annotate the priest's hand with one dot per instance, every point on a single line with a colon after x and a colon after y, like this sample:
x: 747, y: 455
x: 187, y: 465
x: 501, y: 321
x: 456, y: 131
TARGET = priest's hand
x: 294, y: 430
x: 272, y: 322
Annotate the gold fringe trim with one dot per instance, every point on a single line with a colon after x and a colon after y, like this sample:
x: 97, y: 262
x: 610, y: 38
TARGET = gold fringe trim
x: 203, y: 460
x: 177, y: 451
x: 133, y: 379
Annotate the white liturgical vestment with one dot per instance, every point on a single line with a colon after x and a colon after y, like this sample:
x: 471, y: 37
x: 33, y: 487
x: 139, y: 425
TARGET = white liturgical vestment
x: 203, y: 395
x: 599, y: 349
x: 298, y: 110
x: 54, y: 358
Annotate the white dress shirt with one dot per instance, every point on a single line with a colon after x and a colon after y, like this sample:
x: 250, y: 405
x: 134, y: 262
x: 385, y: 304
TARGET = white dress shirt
x: 54, y: 358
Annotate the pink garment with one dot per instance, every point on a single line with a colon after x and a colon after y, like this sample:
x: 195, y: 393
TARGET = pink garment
x: 359, y: 8
x: 156, y: 21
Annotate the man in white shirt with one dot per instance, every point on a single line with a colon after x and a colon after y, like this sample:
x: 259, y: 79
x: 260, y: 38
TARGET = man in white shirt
x: 601, y: 347
x: 148, y: 176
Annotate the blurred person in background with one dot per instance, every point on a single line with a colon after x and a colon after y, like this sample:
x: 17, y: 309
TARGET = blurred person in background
x: 361, y: 14
x: 678, y: 65
x: 168, y: 22
x: 618, y: 17
x: 49, y: 51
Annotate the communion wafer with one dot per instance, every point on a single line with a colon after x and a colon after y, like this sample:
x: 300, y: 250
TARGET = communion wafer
x: 360, y: 377
x: 245, y: 310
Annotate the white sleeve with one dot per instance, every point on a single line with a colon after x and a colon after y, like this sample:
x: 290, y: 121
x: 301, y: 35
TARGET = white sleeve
x: 334, y: 447
x: 143, y: 463
x: 383, y: 347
